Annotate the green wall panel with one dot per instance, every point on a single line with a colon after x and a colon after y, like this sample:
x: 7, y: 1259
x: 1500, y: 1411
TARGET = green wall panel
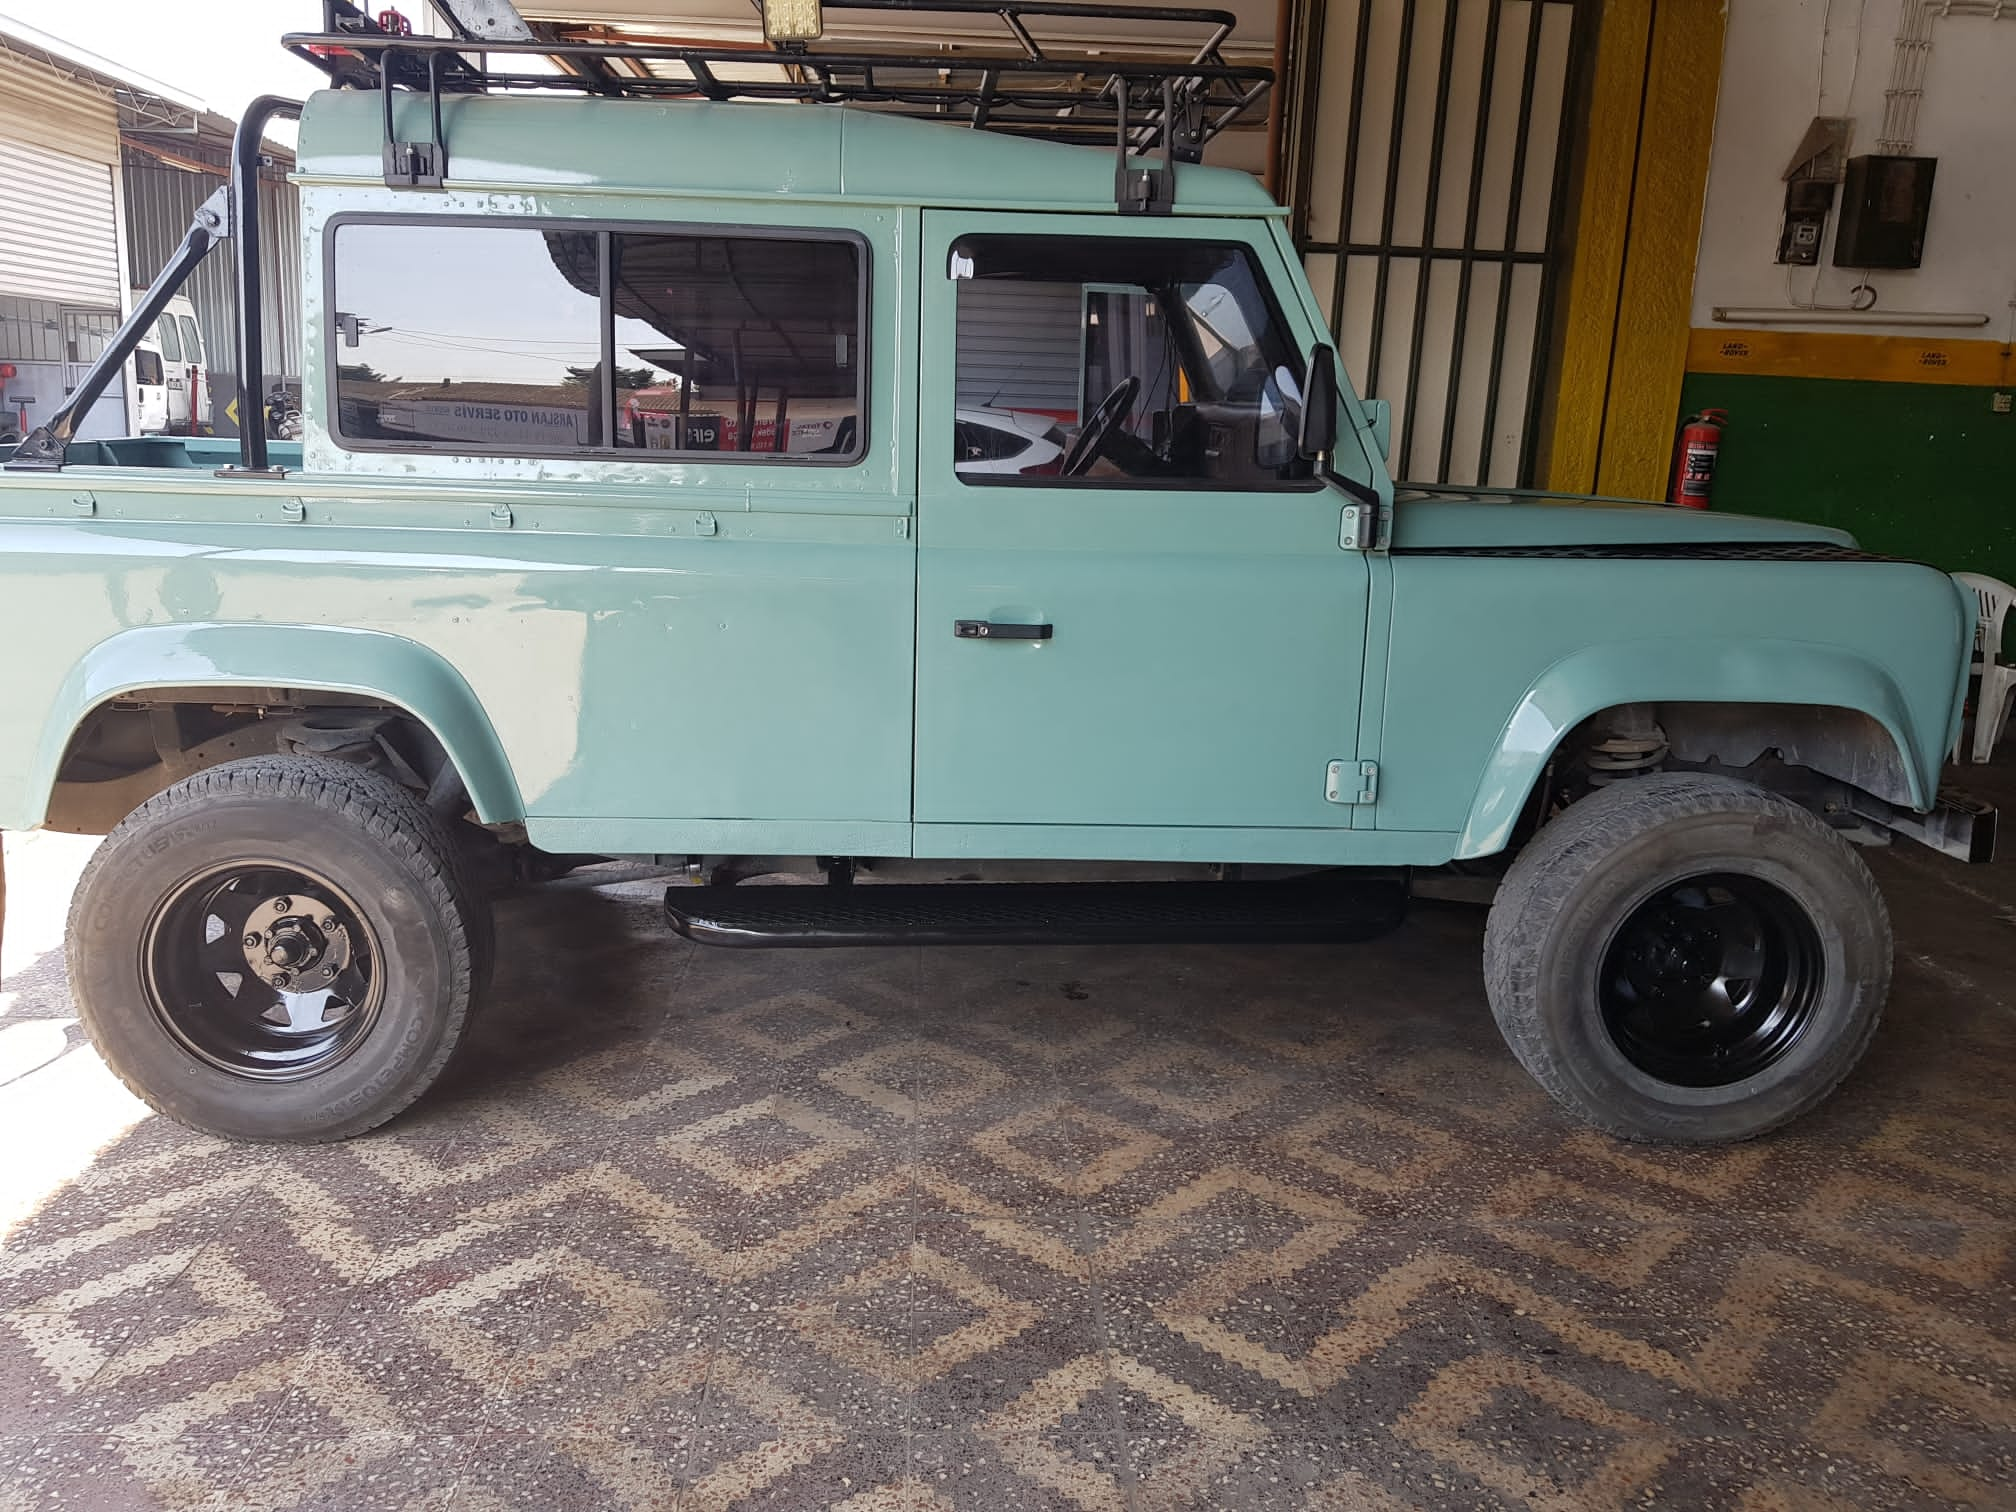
x: 1912, y: 469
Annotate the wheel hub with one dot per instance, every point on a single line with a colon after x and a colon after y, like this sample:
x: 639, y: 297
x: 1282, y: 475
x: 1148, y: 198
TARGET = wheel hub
x: 295, y: 944
x: 1710, y: 980
x: 263, y: 971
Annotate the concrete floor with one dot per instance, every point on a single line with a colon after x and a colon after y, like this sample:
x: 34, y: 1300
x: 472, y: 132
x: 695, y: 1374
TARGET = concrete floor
x: 1003, y: 1229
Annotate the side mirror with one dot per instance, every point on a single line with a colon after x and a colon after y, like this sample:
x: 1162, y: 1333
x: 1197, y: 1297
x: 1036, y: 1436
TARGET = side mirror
x: 1319, y: 405
x: 1379, y: 420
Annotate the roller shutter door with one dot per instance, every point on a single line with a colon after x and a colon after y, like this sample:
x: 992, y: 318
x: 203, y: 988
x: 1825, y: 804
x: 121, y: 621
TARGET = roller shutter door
x: 1020, y: 346
x: 59, y: 237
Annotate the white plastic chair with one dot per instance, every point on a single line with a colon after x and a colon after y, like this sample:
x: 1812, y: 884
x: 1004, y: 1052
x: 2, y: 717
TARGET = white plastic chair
x: 1991, y: 706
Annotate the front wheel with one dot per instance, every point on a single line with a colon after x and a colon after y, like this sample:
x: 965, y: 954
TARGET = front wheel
x: 1688, y: 958
x: 281, y: 948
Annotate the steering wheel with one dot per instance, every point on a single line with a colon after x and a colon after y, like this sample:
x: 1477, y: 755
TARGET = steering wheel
x: 1099, y: 426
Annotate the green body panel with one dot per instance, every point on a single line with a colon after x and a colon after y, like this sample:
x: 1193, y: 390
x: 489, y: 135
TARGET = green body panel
x: 1857, y: 456
x: 1492, y: 659
x: 596, y: 654
x: 636, y: 656
x: 1198, y: 843
x: 743, y: 152
x: 1441, y: 518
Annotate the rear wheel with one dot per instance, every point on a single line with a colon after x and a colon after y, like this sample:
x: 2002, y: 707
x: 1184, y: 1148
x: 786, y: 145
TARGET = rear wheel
x: 284, y: 948
x: 1688, y: 958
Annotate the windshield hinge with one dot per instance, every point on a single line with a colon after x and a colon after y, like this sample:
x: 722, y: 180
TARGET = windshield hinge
x: 1351, y: 782
x: 1148, y: 187
x: 414, y: 165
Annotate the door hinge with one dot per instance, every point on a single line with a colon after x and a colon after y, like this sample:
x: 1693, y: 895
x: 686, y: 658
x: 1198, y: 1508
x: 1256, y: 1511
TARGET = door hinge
x: 500, y: 517
x: 293, y: 510
x: 1354, y: 533
x: 1351, y: 782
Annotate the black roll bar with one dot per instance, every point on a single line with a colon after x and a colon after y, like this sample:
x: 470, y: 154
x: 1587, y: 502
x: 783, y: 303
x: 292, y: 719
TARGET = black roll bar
x: 231, y: 211
x: 246, y: 158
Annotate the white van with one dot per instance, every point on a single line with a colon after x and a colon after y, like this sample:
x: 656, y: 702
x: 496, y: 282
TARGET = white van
x: 170, y: 376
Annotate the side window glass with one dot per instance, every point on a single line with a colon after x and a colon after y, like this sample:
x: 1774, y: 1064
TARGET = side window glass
x: 481, y: 338
x: 1122, y: 359
x: 738, y: 344
x: 166, y: 338
x: 491, y: 339
x: 192, y: 339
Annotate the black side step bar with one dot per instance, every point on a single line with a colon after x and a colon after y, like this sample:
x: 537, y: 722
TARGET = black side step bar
x: 1040, y: 913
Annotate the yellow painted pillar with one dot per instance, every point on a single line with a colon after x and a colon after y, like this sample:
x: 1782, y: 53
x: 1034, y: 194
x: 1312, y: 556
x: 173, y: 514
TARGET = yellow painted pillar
x: 1625, y: 322
x: 1588, y: 328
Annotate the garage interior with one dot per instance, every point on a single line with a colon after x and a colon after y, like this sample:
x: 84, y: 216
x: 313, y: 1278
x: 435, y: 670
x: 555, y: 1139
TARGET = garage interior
x: 1191, y: 1227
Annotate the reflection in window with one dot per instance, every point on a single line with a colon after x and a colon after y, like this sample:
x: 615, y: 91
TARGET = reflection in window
x: 488, y: 338
x: 1139, y: 359
x: 737, y: 344
x: 475, y: 337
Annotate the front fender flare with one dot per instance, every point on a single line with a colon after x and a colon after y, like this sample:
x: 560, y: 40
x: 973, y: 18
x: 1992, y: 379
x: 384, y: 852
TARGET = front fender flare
x: 1699, y: 670
x: 330, y: 659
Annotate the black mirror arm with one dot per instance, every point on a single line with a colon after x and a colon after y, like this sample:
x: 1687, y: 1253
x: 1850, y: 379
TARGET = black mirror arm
x: 1361, y: 492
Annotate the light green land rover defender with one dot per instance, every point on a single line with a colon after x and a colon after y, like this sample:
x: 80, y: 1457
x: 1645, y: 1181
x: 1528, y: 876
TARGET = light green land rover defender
x: 705, y: 460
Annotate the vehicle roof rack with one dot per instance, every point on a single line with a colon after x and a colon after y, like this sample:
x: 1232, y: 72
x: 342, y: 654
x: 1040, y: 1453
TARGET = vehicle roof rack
x: 1140, y: 105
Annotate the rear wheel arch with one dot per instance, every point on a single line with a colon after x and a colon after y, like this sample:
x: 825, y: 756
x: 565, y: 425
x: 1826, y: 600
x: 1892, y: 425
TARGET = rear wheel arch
x: 234, y: 689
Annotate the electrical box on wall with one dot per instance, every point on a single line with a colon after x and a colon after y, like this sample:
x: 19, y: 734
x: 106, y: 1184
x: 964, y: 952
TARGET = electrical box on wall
x: 1885, y: 203
x: 1808, y: 202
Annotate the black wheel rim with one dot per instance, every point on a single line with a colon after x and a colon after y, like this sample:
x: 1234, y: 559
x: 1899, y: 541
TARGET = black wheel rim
x: 1711, y: 980
x: 261, y: 970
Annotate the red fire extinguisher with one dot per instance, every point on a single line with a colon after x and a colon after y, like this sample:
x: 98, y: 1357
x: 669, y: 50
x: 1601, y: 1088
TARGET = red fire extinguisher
x: 1694, y: 454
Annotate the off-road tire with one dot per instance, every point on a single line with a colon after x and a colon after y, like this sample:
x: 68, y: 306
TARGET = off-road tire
x: 1570, y: 892
x: 374, y: 840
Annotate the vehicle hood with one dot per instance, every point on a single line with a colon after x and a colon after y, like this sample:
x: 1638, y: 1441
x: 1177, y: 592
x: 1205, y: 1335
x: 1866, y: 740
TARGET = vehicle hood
x: 1442, y: 518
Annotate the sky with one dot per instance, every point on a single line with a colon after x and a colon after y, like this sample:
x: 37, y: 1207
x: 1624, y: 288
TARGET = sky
x: 224, y: 52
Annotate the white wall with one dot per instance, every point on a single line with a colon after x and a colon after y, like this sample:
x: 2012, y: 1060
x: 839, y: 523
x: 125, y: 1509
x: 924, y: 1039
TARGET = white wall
x: 1774, y: 82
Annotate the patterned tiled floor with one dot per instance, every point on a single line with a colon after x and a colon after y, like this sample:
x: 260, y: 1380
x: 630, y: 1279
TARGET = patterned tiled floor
x: 1082, y: 1229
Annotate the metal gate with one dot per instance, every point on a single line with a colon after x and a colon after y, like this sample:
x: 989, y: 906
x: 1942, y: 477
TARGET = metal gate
x: 1428, y: 167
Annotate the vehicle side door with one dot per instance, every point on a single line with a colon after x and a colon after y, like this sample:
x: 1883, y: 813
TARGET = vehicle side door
x: 1163, y: 654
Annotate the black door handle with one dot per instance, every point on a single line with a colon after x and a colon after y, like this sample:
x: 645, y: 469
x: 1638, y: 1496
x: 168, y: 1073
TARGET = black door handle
x: 997, y: 630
